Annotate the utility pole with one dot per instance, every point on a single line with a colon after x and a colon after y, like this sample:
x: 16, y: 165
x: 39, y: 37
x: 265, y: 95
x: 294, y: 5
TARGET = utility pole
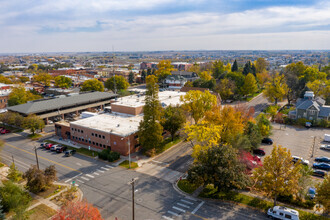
x: 133, y: 204
x: 129, y: 153
x: 12, y: 157
x: 35, y: 150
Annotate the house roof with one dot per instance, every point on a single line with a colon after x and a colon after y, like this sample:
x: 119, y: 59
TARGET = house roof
x: 305, y: 104
x: 324, y: 111
x: 320, y: 101
x: 43, y: 105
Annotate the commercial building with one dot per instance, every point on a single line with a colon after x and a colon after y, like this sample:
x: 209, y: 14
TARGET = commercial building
x: 59, y: 106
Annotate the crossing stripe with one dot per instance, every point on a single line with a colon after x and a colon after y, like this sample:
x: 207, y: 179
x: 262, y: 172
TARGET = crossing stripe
x: 173, y: 213
x: 168, y: 218
x: 109, y: 166
x: 177, y: 208
x: 191, y: 199
x: 80, y: 180
x: 100, y: 171
x: 185, y: 201
x: 72, y: 177
x: 96, y: 173
x: 104, y: 168
x: 90, y: 176
x: 196, y: 209
x: 180, y: 204
x: 84, y: 178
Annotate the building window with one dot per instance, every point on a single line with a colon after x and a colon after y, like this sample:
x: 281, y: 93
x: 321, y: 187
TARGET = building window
x: 82, y: 131
x: 136, y: 136
x: 97, y: 144
x: 92, y: 134
x: 71, y: 129
x: 312, y: 112
x: 78, y: 130
x: 72, y: 137
x: 79, y: 139
x: 93, y: 143
x: 86, y: 140
x: 82, y: 139
x: 103, y: 137
x: 90, y: 142
x: 99, y: 136
x: 75, y: 129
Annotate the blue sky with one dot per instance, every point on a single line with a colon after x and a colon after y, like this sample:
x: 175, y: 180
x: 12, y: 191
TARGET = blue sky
x: 142, y: 25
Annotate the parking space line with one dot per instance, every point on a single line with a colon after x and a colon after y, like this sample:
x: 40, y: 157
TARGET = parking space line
x: 180, y: 204
x: 185, y: 201
x: 173, y: 213
x: 168, y: 218
x: 84, y: 178
x: 198, y: 207
x: 177, y: 208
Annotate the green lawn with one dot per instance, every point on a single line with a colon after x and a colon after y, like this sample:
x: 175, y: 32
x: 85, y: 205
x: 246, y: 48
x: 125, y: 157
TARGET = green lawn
x: 186, y: 186
x: 41, y: 212
x: 34, y: 136
x: 167, y: 143
x: 125, y: 164
x: 210, y: 192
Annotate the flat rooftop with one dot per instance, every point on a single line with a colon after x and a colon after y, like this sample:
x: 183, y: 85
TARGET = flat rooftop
x: 114, y: 123
x: 166, y: 98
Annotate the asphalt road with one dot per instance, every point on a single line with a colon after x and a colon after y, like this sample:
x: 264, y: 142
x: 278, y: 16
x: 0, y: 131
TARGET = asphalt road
x: 107, y: 187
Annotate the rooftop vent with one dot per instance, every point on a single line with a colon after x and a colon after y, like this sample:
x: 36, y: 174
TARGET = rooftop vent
x: 118, y: 125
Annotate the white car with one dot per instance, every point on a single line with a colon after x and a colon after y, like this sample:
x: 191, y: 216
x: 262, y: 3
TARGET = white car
x: 325, y: 147
x: 281, y: 212
x: 54, y: 147
x: 297, y: 159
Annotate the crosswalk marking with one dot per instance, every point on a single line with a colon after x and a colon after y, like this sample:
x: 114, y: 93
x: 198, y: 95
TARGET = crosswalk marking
x: 173, y: 213
x: 72, y: 178
x: 109, y: 166
x: 168, y: 218
x: 185, y: 201
x: 90, y: 176
x: 84, y: 178
x: 191, y: 199
x: 100, y: 171
x: 80, y: 181
x: 196, y: 209
x: 186, y: 206
x: 177, y: 208
x: 104, y: 168
x: 95, y: 173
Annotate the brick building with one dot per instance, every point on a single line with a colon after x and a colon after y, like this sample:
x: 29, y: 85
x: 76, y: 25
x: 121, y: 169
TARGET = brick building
x: 4, y: 94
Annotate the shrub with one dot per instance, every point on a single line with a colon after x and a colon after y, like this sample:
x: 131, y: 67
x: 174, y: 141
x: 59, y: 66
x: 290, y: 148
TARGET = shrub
x: 104, y: 154
x: 302, y: 121
x: 289, y: 121
x: 39, y: 180
x: 113, y: 156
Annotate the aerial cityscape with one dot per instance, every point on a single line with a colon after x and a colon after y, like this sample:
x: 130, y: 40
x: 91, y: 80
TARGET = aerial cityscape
x: 165, y: 110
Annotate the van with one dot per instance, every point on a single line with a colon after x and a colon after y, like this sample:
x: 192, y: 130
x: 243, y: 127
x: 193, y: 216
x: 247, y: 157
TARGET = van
x: 281, y: 212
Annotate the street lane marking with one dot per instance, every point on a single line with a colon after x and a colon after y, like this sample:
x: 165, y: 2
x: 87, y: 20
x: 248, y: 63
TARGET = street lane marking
x: 109, y: 166
x: 168, y: 218
x: 10, y: 145
x: 100, y: 171
x: 173, y: 213
x: 95, y: 173
x: 177, y: 208
x: 191, y: 199
x: 79, y: 164
x: 191, y: 203
x: 80, y: 181
x: 72, y: 178
x: 10, y: 159
x: 84, y: 178
x: 104, y: 168
x: 196, y: 209
x: 180, y: 204
x: 89, y: 175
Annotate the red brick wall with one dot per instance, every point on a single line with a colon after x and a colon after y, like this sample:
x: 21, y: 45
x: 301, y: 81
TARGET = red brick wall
x: 126, y: 109
x: 3, y: 101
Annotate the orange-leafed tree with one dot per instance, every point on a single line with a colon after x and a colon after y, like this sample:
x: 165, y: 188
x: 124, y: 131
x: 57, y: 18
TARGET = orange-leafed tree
x: 78, y: 210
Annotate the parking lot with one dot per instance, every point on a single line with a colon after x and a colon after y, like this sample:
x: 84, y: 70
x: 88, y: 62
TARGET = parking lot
x: 300, y: 141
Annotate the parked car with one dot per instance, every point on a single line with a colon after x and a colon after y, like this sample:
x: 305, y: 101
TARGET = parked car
x: 61, y: 149
x: 259, y: 152
x: 69, y: 153
x: 321, y: 166
x: 43, y: 145
x: 48, y: 146
x: 267, y: 141
x: 296, y: 159
x: 322, y: 159
x: 320, y: 173
x: 4, y: 131
x: 311, y: 192
x: 55, y: 146
x: 281, y: 212
x: 325, y: 147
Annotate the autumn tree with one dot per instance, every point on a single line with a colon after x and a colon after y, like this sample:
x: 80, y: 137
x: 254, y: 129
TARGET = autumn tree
x: 43, y: 78
x: 197, y: 103
x: 5, y: 80
x: 250, y: 84
x: 264, y: 125
x: 261, y: 65
x: 320, y: 88
x: 78, y: 210
x: 194, y: 68
x: 150, y: 129
x: 234, y: 67
x: 14, y: 174
x: 19, y: 95
x: 92, y: 85
x: 39, y: 180
x: 205, y: 75
x: 323, y: 193
x: 33, y: 123
x: 63, y: 82
x: 165, y: 69
x: 116, y: 83
x: 276, y: 89
x: 262, y: 78
x: 219, y: 166
x: 173, y: 119
x: 278, y: 175
x: 226, y: 88
x: 253, y: 134
x: 218, y: 69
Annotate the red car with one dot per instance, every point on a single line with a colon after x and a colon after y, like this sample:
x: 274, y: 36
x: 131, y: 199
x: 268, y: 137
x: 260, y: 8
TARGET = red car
x: 4, y: 131
x: 48, y: 146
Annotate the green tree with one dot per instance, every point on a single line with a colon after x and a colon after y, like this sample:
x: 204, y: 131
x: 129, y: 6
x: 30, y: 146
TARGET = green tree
x: 14, y: 174
x: 150, y: 129
x: 197, y: 103
x: 264, y: 125
x: 19, y: 95
x: 323, y: 193
x: 143, y: 76
x: 173, y: 119
x: 253, y: 134
x: 165, y: 69
x: 33, y: 123
x: 121, y: 83
x: 63, y: 82
x: 250, y: 84
x: 278, y: 175
x: 218, y: 69
x: 261, y: 65
x: 23, y: 79
x: 14, y: 198
x: 92, y: 85
x: 247, y: 68
x: 234, y: 67
x: 226, y: 88
x: 219, y: 166
x: 239, y: 79
x: 43, y: 78
x: 276, y: 88
x: 131, y: 77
